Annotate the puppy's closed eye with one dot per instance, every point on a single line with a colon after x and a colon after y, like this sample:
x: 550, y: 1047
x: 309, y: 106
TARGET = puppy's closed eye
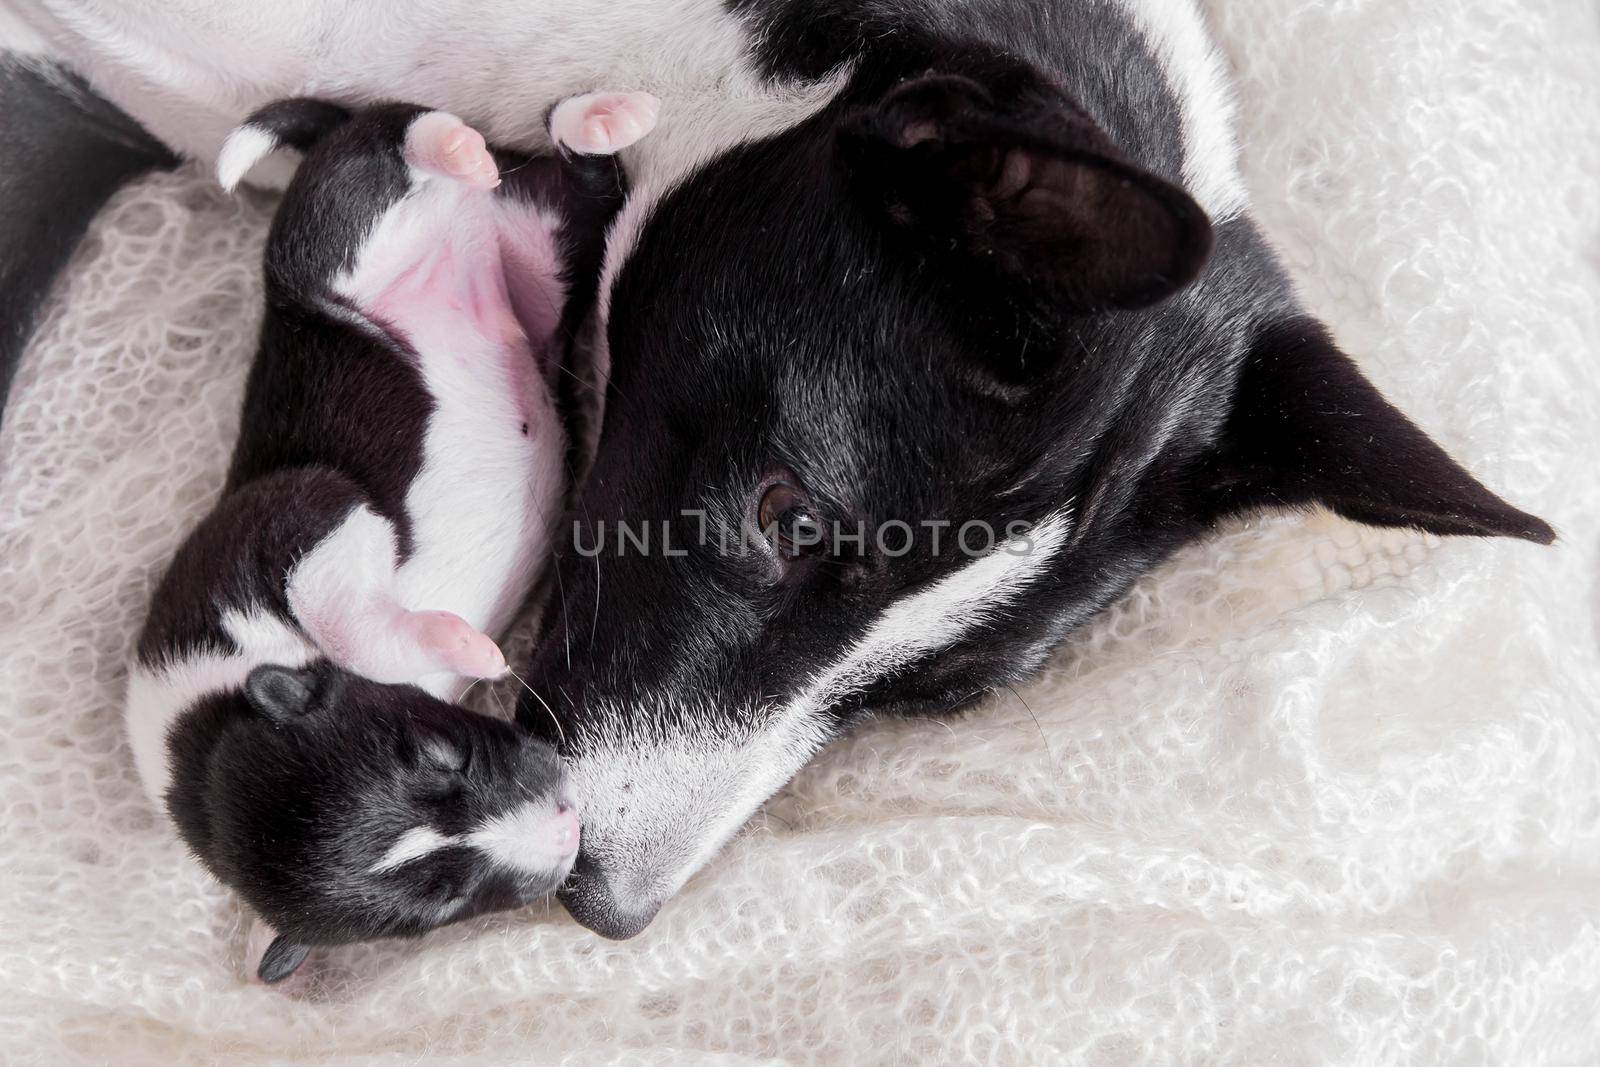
x: 433, y: 752
x: 445, y: 755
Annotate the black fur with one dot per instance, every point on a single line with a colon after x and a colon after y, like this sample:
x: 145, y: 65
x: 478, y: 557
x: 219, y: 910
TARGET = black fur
x: 1028, y: 192
x: 300, y: 121
x: 67, y: 151
x: 293, y: 810
x: 839, y: 308
x: 237, y: 557
x: 1307, y: 428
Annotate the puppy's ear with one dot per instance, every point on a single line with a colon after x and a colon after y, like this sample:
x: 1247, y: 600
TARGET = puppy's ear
x: 1308, y: 428
x: 282, y: 958
x: 1033, y: 188
x: 279, y: 693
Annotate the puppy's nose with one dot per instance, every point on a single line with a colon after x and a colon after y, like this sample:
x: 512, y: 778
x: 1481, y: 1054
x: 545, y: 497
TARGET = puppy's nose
x: 596, y: 902
x: 564, y: 830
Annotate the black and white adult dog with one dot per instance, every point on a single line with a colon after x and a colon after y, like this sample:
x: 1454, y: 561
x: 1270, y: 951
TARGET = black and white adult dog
x: 886, y: 261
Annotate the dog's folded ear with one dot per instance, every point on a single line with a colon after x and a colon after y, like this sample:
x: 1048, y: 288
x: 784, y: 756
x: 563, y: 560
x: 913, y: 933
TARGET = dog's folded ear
x: 279, y: 693
x: 1033, y: 188
x: 1308, y: 428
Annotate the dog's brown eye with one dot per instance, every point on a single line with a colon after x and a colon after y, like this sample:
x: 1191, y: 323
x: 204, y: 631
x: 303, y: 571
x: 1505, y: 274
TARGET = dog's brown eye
x: 787, y: 519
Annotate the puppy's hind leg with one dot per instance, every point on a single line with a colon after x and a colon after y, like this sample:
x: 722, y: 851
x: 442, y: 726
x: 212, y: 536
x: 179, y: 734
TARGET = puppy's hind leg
x: 342, y: 594
x: 441, y: 144
x: 361, y: 168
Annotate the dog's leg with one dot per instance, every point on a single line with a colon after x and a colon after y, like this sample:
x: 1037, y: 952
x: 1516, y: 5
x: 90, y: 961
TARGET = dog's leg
x: 342, y: 594
x: 67, y: 151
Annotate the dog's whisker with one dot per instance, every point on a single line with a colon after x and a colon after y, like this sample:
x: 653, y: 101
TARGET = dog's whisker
x: 562, y: 733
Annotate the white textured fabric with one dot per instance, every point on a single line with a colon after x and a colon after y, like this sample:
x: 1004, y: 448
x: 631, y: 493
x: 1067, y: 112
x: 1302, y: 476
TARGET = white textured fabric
x: 1310, y: 794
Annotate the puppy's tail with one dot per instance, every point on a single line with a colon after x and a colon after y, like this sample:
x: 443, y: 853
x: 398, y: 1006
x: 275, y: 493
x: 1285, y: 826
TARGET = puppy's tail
x: 298, y: 122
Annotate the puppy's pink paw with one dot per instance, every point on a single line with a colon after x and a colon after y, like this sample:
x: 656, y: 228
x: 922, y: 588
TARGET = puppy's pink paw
x: 442, y: 144
x: 599, y: 124
x: 452, y: 642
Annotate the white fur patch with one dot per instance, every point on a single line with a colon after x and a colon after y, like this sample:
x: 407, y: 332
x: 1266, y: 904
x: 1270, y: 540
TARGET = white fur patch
x: 342, y: 593
x: 244, y: 148
x: 941, y: 614
x: 415, y: 843
x: 158, y: 696
x: 20, y: 40
x: 522, y: 838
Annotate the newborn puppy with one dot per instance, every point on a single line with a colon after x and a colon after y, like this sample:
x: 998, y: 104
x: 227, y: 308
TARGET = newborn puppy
x: 389, y: 503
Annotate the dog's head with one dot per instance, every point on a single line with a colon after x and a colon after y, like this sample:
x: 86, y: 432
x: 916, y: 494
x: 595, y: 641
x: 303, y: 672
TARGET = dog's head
x: 969, y: 371
x: 344, y: 810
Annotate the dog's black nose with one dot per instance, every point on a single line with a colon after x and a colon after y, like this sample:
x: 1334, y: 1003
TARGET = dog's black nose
x: 595, y: 902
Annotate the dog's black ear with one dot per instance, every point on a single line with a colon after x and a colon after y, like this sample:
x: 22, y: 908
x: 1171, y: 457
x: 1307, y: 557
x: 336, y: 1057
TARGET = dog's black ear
x: 279, y: 693
x: 282, y: 958
x: 1308, y: 428
x: 1035, y: 188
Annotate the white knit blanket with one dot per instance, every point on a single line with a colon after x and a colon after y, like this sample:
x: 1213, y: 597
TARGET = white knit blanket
x: 1309, y: 794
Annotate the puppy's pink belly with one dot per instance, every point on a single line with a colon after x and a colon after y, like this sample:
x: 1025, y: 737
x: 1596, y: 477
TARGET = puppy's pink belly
x: 449, y: 296
x: 481, y: 339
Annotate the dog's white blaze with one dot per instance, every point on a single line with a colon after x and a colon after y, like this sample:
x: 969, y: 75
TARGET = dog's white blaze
x: 244, y: 148
x: 522, y: 838
x: 654, y: 810
x: 942, y: 613
x: 158, y: 695
x: 415, y: 843
x: 1176, y: 32
x: 686, y: 796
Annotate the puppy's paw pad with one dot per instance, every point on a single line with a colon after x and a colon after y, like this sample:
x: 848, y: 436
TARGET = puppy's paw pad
x: 454, y: 644
x: 603, y: 123
x: 442, y: 144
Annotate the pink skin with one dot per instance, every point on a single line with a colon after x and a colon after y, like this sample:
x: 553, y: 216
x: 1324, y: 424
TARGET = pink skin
x: 453, y: 644
x: 389, y: 644
x: 565, y: 831
x: 442, y: 144
x: 602, y: 123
